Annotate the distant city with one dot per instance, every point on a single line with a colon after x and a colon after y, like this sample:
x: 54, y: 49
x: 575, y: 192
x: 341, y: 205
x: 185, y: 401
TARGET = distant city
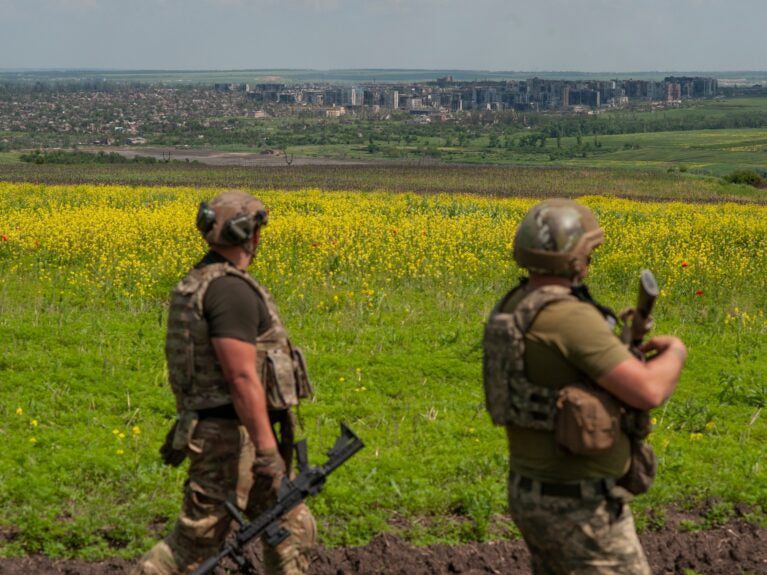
x: 446, y: 95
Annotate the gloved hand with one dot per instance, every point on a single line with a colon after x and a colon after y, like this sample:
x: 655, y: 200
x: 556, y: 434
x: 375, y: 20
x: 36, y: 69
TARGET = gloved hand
x: 268, y: 473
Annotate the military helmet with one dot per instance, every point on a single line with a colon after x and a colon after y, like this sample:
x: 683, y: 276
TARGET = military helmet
x: 231, y: 218
x: 557, y: 237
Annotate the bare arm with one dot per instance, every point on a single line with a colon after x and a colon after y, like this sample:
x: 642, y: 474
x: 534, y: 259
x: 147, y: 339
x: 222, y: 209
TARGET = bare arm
x: 238, y: 361
x: 647, y: 385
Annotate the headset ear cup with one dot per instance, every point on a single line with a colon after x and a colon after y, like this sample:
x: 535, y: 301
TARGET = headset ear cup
x: 206, y: 218
x: 238, y: 230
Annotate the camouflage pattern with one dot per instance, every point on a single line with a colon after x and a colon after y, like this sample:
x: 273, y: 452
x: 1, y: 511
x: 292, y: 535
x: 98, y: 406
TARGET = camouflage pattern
x: 231, y: 218
x: 510, y: 396
x: 556, y: 237
x: 577, y: 536
x: 193, y: 369
x: 223, y: 467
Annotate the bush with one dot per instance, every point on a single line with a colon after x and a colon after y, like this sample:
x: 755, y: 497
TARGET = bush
x: 62, y: 157
x: 750, y: 177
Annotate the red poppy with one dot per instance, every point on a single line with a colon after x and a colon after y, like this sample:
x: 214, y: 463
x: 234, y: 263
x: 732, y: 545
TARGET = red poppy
x: 699, y: 292
x: 4, y: 238
x: 685, y: 264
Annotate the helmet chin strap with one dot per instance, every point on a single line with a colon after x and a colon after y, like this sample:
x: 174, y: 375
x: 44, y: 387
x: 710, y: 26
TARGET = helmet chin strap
x: 249, y: 246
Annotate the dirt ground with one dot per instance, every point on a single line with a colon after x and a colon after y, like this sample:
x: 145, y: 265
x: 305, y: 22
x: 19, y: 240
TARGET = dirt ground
x: 219, y: 158
x: 736, y: 548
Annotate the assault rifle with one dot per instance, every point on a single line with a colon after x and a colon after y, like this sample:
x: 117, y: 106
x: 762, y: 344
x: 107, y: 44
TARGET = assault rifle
x: 637, y: 321
x: 309, y: 481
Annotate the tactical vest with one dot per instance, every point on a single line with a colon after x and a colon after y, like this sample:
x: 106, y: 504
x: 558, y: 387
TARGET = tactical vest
x: 194, y: 372
x: 509, y: 396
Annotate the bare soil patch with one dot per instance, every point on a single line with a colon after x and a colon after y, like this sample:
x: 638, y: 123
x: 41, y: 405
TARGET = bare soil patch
x: 220, y: 158
x: 736, y: 548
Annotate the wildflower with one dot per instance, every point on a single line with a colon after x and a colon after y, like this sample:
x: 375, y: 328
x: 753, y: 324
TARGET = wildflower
x: 696, y: 436
x: 699, y: 292
x: 121, y: 435
x: 120, y: 452
x: 4, y: 238
x: 33, y: 423
x: 654, y: 421
x: 115, y: 431
x: 136, y: 430
x: 342, y: 379
x: 33, y: 440
x: 19, y: 411
x: 710, y: 425
x: 685, y: 264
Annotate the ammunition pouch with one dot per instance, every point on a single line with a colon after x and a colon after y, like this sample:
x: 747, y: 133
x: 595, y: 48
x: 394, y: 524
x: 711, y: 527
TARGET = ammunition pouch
x: 285, y: 377
x: 642, y: 469
x: 588, y: 419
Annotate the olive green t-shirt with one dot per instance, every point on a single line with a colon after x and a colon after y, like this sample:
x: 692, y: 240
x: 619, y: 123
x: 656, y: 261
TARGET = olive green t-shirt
x: 232, y: 307
x: 568, y: 341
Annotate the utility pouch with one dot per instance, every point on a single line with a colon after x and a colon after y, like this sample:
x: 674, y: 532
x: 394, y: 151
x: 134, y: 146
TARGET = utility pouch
x: 588, y: 419
x: 279, y: 379
x: 641, y: 474
x: 185, y: 425
x: 304, y: 386
x: 169, y: 455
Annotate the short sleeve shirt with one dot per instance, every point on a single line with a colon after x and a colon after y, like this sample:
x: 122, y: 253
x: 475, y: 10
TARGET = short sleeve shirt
x: 569, y: 341
x: 232, y: 308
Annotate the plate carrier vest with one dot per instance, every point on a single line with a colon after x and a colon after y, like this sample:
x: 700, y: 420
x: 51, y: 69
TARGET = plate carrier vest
x: 194, y: 372
x: 509, y: 396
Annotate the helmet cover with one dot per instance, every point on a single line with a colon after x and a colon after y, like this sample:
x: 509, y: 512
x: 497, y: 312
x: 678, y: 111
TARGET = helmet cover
x: 231, y: 218
x: 557, y: 237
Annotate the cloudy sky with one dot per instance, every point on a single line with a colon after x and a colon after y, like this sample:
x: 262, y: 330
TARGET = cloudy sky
x: 521, y: 35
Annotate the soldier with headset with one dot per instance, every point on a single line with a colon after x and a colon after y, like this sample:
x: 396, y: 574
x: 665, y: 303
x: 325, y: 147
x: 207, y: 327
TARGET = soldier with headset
x: 573, y: 400
x: 235, y: 376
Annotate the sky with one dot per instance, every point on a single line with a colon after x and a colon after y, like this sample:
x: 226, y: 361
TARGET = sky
x: 502, y: 35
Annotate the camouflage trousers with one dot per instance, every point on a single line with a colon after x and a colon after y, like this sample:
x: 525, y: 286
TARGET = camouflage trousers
x: 591, y: 535
x: 221, y: 461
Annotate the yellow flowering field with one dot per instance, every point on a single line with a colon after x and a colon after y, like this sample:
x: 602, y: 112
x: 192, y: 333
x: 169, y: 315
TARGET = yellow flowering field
x: 387, y: 294
x: 134, y: 242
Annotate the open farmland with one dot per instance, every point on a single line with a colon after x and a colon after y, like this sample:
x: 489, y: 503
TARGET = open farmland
x: 387, y: 293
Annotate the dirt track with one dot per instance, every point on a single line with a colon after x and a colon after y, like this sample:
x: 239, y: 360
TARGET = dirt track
x: 220, y: 158
x: 734, y: 549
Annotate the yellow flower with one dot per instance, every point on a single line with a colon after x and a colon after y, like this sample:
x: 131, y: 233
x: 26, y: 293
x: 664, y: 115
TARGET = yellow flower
x: 696, y: 436
x: 120, y: 452
x: 136, y: 430
x: 121, y: 435
x: 19, y: 411
x: 33, y: 440
x: 33, y: 423
x: 654, y: 421
x: 115, y: 431
x: 710, y: 425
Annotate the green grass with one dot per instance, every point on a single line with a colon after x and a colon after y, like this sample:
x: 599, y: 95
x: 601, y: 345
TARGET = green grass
x: 405, y: 375
x: 9, y: 157
x: 404, y: 177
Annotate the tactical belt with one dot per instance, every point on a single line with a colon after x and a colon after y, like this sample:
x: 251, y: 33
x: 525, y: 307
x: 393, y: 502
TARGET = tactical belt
x: 221, y: 412
x: 579, y: 490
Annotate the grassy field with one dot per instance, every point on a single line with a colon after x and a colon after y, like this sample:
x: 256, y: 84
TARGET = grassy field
x: 387, y: 294
x: 429, y: 178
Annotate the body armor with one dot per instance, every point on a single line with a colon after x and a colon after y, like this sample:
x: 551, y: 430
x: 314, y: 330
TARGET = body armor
x: 509, y: 396
x: 194, y: 372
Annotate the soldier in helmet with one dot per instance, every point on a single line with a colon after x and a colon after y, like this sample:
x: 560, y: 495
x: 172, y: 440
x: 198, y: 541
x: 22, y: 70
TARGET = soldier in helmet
x: 570, y: 394
x: 235, y: 376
